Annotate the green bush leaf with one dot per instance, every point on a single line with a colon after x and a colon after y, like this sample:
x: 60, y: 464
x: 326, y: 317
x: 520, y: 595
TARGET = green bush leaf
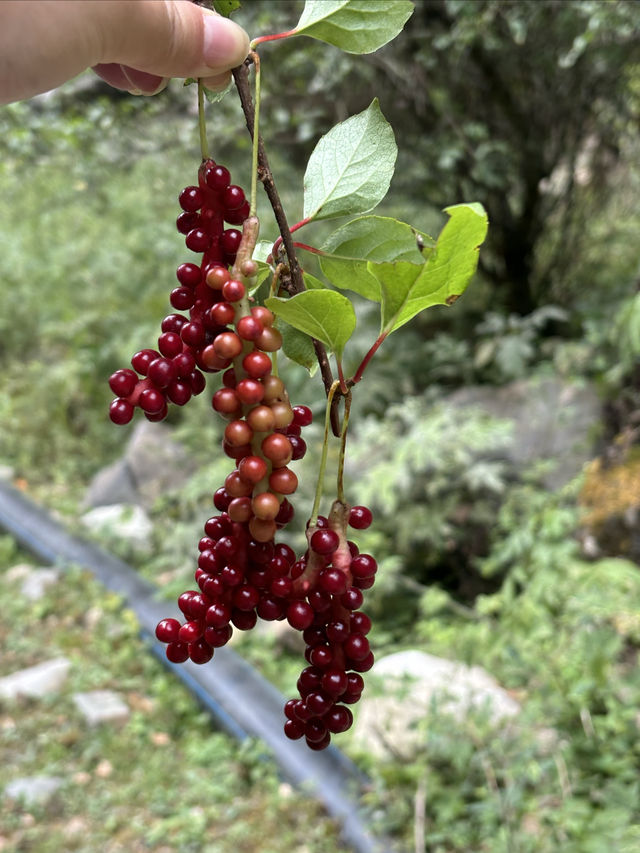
x: 226, y: 7
x: 351, y: 167
x: 408, y: 289
x: 355, y: 26
x: 298, y: 347
x: 324, y: 314
x: 370, y: 238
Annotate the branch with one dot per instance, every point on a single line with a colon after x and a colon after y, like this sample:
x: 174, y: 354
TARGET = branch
x: 292, y: 282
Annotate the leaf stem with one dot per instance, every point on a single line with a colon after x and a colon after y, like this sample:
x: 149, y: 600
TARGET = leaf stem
x: 292, y: 228
x: 323, y: 461
x: 343, y: 446
x: 202, y: 126
x: 256, y: 137
x: 365, y: 361
x: 275, y: 37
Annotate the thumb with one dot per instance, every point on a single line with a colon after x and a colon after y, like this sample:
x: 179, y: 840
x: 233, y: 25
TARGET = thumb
x: 168, y: 38
x: 43, y: 43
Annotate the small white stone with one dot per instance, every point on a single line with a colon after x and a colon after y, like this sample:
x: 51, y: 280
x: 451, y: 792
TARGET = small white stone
x: 36, y: 681
x: 123, y: 521
x: 37, y: 582
x: 18, y: 572
x: 101, y: 706
x: 33, y: 789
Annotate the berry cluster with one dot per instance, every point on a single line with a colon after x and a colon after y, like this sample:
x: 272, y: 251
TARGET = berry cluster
x: 242, y: 578
x: 201, y: 343
x: 242, y: 573
x: 331, y: 577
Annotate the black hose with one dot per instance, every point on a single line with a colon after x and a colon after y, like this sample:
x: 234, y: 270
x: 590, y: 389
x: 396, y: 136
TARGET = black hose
x: 242, y: 702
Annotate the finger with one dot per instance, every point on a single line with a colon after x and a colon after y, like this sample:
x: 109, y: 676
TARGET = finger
x: 130, y: 79
x: 168, y: 38
x: 43, y: 43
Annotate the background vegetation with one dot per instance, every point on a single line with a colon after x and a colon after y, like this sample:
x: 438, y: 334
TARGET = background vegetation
x: 531, y: 108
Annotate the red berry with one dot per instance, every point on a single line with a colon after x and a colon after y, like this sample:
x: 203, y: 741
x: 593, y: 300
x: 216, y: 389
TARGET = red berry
x: 218, y: 177
x: 190, y: 199
x: 162, y: 372
x: 360, y: 517
x: 189, y: 275
x: 200, y: 652
x: 300, y: 615
x: 233, y: 197
x: 302, y: 416
x: 177, y: 652
x: 249, y: 328
x: 249, y: 391
x: 324, y: 542
x: 123, y: 382
x: 167, y: 630
x: 231, y: 240
x: 197, y: 240
x: 233, y: 290
x: 187, y: 221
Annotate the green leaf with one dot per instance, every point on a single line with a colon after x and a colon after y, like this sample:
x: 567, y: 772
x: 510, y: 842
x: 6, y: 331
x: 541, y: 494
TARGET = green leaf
x: 324, y: 314
x: 298, y: 347
x: 408, y: 289
x: 355, y: 26
x: 351, y: 167
x: 262, y: 250
x: 313, y: 283
x: 370, y: 238
x: 226, y: 7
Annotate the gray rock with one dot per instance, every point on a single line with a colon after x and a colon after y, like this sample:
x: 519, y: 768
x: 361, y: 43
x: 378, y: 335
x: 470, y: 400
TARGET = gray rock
x: 37, y: 582
x: 33, y: 790
x: 416, y: 685
x: 157, y: 463
x: 18, y: 572
x: 101, y: 706
x: 554, y: 419
x: 36, y: 681
x: 124, y: 521
x: 112, y: 485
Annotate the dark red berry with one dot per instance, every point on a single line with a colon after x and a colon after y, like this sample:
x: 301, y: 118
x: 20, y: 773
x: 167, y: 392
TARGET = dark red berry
x: 302, y: 416
x: 190, y: 199
x: 218, y: 178
x: 324, y: 542
x: 167, y: 630
x: 177, y: 652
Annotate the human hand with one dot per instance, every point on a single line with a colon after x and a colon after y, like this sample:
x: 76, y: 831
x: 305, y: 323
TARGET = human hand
x: 137, y: 45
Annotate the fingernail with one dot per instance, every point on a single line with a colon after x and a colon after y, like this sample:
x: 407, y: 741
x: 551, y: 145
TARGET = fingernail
x: 142, y: 83
x: 226, y: 44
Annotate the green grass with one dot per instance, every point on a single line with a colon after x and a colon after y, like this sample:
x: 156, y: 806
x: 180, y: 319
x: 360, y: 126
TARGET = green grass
x: 165, y: 780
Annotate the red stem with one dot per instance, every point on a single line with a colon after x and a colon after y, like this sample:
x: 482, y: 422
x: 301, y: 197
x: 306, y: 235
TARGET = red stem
x: 274, y: 37
x: 365, y: 361
x: 292, y: 228
x: 343, y: 385
x: 308, y: 248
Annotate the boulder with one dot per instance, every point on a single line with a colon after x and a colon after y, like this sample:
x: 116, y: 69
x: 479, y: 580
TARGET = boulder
x: 157, y: 463
x: 416, y: 685
x: 152, y: 464
x: 554, y: 419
